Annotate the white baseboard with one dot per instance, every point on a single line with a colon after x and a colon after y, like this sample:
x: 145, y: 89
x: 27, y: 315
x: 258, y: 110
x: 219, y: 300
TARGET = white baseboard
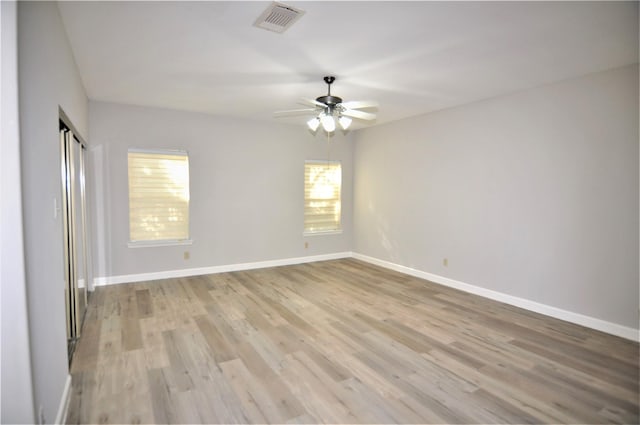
x: 569, y: 316
x: 63, y: 409
x: 169, y: 274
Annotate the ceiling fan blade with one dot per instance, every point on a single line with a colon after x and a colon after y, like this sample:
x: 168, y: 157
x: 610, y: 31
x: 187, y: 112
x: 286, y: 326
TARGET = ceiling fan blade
x: 357, y: 104
x: 359, y: 114
x: 311, y: 102
x: 292, y: 112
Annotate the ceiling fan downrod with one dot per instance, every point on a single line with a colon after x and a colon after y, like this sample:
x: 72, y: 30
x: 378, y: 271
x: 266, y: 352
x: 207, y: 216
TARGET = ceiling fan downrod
x: 329, y: 80
x: 330, y: 101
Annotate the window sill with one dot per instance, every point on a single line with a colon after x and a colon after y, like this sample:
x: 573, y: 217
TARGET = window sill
x: 151, y: 244
x: 323, y: 233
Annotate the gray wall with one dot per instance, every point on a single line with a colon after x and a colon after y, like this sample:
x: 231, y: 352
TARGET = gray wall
x: 17, y: 388
x: 246, y: 188
x: 534, y: 195
x: 48, y: 79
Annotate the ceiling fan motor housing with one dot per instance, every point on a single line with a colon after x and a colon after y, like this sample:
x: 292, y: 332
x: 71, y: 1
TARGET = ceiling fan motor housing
x: 329, y: 100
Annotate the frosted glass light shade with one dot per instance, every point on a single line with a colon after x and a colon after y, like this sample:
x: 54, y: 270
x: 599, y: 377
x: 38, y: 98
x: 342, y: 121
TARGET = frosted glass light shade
x: 345, y: 122
x: 328, y: 123
x: 313, y: 124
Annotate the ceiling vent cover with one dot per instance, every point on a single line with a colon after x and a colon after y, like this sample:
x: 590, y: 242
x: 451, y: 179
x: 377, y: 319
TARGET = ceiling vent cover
x: 278, y: 17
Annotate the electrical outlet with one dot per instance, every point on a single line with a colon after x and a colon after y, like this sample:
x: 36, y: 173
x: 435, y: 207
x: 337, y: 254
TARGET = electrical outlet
x: 187, y: 255
x: 445, y: 262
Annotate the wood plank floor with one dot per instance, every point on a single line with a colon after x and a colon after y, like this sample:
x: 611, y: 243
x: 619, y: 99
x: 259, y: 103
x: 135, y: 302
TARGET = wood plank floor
x: 338, y: 342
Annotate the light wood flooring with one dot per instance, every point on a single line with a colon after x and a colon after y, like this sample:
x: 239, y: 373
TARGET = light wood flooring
x: 338, y: 342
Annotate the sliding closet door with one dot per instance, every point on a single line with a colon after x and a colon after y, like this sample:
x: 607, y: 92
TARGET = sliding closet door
x: 74, y: 232
x: 69, y: 292
x: 79, y: 231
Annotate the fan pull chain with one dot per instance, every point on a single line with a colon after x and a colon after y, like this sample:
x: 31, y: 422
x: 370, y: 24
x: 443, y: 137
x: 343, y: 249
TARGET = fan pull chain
x: 328, y: 147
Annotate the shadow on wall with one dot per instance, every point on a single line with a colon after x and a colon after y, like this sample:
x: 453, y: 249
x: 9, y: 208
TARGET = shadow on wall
x: 382, y: 230
x: 98, y: 193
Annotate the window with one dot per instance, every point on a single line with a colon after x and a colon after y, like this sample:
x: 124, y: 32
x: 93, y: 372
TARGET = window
x: 322, y: 186
x: 158, y: 196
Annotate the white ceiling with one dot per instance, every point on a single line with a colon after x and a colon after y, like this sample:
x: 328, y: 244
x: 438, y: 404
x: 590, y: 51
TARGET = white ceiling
x: 412, y: 57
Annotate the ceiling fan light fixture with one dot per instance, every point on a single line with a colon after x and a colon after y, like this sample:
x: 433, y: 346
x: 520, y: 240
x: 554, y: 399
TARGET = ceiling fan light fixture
x: 345, y: 122
x: 330, y: 111
x: 328, y: 123
x: 313, y: 123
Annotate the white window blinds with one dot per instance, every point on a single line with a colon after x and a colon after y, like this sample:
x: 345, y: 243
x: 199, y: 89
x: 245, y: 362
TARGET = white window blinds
x: 158, y: 196
x: 322, y: 187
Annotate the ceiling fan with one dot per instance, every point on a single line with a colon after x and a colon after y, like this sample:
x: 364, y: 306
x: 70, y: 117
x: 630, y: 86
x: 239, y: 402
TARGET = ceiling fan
x: 328, y: 109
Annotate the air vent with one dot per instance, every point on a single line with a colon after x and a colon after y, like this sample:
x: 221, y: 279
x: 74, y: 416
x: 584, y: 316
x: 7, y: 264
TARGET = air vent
x: 278, y: 17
